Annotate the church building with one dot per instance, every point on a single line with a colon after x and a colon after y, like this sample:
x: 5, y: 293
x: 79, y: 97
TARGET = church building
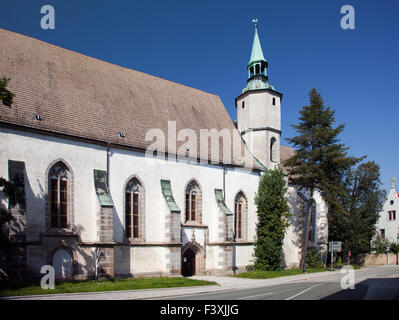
x: 112, y: 185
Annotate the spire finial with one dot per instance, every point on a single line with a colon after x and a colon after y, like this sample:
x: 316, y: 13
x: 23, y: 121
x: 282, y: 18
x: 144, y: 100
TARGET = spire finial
x: 393, y: 183
x: 255, y: 21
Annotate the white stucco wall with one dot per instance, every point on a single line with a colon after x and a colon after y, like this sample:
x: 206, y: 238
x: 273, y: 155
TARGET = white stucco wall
x: 259, y: 110
x: 150, y: 171
x: 39, y: 151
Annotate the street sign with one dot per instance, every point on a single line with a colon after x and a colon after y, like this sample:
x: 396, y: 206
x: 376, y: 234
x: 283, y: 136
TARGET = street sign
x: 388, y: 247
x: 336, y: 246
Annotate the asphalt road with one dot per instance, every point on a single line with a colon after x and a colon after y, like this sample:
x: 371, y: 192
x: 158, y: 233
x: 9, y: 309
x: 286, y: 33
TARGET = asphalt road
x: 375, y: 283
x: 370, y: 283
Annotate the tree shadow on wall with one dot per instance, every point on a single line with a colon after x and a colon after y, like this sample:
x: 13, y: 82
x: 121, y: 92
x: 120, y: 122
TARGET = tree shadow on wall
x: 296, y: 221
x: 30, y: 239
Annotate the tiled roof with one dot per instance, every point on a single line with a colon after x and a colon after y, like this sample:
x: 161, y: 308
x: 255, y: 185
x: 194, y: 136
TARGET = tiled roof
x: 89, y: 98
x: 285, y: 153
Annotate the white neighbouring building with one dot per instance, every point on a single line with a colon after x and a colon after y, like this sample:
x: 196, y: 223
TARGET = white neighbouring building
x: 75, y: 141
x: 388, y: 222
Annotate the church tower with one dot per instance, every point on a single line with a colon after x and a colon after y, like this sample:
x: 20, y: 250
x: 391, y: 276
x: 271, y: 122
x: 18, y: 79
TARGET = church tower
x: 259, y: 110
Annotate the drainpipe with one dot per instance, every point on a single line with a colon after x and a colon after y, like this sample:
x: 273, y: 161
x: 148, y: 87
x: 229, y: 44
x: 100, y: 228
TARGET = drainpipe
x: 234, y: 253
x: 108, y: 153
x: 224, y: 183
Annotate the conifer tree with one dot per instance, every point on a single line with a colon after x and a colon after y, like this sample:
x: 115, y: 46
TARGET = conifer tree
x: 273, y: 210
x: 320, y: 161
x: 6, y: 96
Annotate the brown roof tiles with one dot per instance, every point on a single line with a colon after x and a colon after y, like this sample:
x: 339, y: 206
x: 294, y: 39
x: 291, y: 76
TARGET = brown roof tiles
x: 89, y: 98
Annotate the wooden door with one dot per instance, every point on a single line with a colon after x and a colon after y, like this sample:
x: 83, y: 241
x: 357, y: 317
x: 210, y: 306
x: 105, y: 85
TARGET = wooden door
x: 188, y: 265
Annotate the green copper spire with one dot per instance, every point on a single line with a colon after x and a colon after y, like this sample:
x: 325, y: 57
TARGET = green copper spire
x: 257, y: 66
x: 257, y: 53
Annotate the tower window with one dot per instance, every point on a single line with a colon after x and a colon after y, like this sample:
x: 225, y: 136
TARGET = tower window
x: 243, y: 104
x: 273, y: 150
x: 274, y: 101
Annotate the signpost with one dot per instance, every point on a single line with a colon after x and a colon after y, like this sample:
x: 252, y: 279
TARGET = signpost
x: 387, y: 251
x: 334, y: 246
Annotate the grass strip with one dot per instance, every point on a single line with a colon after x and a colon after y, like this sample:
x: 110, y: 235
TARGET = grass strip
x: 23, y: 289
x: 257, y: 274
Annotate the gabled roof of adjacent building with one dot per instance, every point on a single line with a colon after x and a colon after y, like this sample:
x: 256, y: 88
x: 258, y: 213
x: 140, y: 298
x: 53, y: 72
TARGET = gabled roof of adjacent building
x: 285, y: 153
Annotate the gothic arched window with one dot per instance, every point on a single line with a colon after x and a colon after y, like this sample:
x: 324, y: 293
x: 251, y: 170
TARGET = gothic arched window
x: 59, y: 189
x: 133, y: 208
x: 193, y: 203
x: 240, y: 211
x: 312, y: 229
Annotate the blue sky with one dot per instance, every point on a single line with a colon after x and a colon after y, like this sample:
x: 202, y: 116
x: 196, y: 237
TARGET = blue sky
x: 207, y: 44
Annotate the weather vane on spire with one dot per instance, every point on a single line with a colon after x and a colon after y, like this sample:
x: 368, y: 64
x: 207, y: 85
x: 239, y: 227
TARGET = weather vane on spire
x: 255, y: 21
x: 393, y: 183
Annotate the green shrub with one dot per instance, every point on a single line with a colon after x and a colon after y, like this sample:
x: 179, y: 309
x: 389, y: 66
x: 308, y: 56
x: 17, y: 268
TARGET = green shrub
x: 313, y: 259
x: 273, y: 212
x: 379, y: 245
x: 250, y: 267
x: 394, y: 247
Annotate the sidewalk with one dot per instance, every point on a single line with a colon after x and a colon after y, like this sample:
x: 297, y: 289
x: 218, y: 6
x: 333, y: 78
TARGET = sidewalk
x: 224, y: 284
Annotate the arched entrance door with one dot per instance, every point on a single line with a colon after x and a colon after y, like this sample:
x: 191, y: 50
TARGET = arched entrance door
x: 63, y: 264
x: 188, y: 267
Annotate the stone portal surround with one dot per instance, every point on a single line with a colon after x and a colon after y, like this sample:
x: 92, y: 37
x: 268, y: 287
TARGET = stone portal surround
x: 200, y: 256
